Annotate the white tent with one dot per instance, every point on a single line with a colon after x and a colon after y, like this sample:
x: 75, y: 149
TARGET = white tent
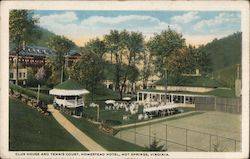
x: 110, y: 101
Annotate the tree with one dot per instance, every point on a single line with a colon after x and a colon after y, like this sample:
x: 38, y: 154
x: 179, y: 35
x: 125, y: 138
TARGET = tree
x: 154, y: 146
x: 115, y: 46
x: 60, y: 46
x: 96, y: 46
x: 21, y: 25
x: 162, y: 45
x: 40, y: 75
x: 147, y: 68
x: 135, y: 47
x: 88, y: 69
x: 126, y: 47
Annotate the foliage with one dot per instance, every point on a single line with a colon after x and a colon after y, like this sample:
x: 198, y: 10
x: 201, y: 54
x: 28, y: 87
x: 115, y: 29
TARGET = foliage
x: 30, y: 130
x: 21, y: 25
x: 224, y: 52
x: 96, y: 46
x: 163, y: 45
x: 88, y: 69
x: 43, y: 97
x: 60, y: 47
x: 126, y: 47
x: 227, y: 76
x: 154, y: 146
x: 40, y: 75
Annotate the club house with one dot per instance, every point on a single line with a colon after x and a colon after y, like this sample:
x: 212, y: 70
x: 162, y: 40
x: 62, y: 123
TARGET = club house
x: 69, y: 97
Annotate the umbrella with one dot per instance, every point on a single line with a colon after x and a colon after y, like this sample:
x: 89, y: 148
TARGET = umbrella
x: 126, y: 98
x: 110, y: 101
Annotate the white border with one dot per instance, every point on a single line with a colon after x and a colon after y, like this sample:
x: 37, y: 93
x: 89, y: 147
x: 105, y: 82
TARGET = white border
x: 242, y: 6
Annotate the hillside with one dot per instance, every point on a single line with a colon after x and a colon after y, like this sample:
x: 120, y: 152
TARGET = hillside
x: 31, y: 130
x: 44, y: 36
x: 224, y: 52
x: 227, y: 75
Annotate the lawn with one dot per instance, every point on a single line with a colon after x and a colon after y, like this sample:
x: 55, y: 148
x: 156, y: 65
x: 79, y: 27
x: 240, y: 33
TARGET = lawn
x: 109, y: 142
x: 43, y: 97
x: 31, y: 130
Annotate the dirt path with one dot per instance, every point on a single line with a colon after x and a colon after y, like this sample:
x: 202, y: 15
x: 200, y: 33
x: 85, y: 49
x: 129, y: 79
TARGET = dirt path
x: 84, y: 139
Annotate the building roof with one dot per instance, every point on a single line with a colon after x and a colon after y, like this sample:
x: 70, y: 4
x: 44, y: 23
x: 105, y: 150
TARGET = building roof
x: 192, y: 81
x: 69, y: 84
x: 218, y: 92
x: 69, y: 88
x: 40, y: 51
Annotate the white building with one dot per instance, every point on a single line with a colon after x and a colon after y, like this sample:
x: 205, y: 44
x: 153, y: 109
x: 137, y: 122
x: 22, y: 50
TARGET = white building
x: 69, y: 97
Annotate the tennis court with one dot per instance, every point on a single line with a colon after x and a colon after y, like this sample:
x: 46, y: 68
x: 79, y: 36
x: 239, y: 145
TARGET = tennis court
x: 206, y: 131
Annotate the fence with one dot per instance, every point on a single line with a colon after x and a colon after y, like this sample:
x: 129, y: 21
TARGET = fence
x: 231, y: 105
x: 174, y: 138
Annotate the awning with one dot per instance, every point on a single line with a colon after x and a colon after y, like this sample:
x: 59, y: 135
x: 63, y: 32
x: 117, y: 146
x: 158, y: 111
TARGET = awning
x: 126, y: 98
x: 62, y: 92
x: 110, y: 101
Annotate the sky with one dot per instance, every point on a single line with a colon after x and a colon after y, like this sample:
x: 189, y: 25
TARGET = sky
x: 197, y: 27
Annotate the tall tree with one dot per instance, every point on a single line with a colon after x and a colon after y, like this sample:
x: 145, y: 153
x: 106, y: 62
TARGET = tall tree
x: 60, y: 47
x: 126, y: 48
x: 162, y: 45
x: 96, y: 46
x: 88, y: 69
x: 22, y: 25
x: 147, y: 68
x: 114, y: 43
x: 135, y: 46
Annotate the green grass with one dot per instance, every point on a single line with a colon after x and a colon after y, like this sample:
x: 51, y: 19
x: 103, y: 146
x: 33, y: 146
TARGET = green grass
x: 33, y: 94
x: 109, y: 142
x: 31, y: 130
x: 226, y: 75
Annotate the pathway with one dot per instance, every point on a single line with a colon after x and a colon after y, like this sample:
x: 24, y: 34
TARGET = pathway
x: 84, y: 139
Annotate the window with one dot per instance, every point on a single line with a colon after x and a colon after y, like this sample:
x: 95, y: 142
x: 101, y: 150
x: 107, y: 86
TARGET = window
x: 24, y: 75
x: 20, y: 75
x: 11, y: 75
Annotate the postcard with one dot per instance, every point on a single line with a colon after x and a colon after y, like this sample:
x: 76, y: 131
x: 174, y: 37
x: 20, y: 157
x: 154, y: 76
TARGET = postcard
x: 124, y: 79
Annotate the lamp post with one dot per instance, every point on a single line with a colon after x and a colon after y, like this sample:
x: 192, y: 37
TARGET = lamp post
x: 38, y: 93
x: 98, y: 112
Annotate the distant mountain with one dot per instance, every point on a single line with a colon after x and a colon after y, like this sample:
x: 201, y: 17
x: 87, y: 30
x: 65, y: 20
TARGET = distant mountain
x: 44, y: 36
x: 224, y: 52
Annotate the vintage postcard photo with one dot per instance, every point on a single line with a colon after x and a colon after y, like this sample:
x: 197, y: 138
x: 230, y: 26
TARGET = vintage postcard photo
x: 124, y: 79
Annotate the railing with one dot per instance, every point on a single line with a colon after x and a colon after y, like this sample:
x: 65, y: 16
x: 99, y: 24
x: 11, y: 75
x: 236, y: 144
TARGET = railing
x: 69, y: 103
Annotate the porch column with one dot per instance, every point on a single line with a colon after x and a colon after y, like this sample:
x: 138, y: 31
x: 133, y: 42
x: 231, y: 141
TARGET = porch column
x: 160, y: 97
x: 172, y: 98
x: 76, y: 101
x: 142, y: 97
x: 184, y: 99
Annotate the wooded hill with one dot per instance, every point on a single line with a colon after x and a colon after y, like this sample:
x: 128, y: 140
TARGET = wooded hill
x: 224, y: 52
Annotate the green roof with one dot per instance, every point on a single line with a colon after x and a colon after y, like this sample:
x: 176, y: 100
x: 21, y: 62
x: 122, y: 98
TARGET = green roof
x: 218, y: 92
x: 70, y: 84
x: 193, y: 81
